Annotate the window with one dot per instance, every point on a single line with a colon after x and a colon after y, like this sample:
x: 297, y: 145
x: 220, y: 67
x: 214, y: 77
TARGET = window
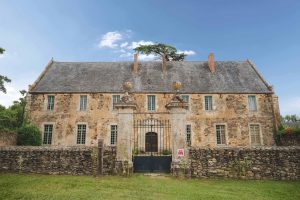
x: 151, y: 102
x: 81, y: 133
x: 185, y: 98
x: 83, y: 102
x: 255, y: 134
x: 50, y: 104
x: 188, y: 135
x: 47, y: 134
x: 116, y: 99
x: 220, y: 131
x: 208, y: 103
x: 113, y: 134
x: 252, y: 103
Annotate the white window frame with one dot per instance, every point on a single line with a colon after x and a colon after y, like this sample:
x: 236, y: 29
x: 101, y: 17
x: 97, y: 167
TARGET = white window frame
x: 212, y: 103
x: 189, y: 99
x: 112, y: 101
x: 84, y: 105
x: 43, y: 133
x: 255, y: 103
x: 48, y: 103
x: 260, y: 134
x: 86, y: 133
x: 188, y: 143
x: 226, y: 134
x: 110, y: 134
x: 147, y: 103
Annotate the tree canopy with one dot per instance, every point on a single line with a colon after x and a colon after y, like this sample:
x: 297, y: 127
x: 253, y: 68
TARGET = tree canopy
x: 160, y: 49
x: 3, y: 79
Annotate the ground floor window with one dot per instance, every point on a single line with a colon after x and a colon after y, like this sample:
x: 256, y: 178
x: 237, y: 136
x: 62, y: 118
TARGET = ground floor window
x: 221, y: 134
x: 81, y: 133
x: 255, y: 134
x: 47, y: 139
x: 113, y: 134
x: 188, y: 135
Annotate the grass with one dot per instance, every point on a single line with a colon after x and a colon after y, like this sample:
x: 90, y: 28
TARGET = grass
x: 31, y: 186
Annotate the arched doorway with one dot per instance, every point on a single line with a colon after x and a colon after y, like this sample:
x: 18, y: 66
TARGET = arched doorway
x: 151, y: 142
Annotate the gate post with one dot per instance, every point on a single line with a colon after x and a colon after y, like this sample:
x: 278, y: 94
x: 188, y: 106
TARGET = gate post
x: 125, y: 129
x: 178, y: 109
x: 100, y: 157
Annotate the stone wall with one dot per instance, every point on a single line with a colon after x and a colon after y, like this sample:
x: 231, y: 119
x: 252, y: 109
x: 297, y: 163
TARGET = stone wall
x: 279, y: 163
x: 56, y: 160
x: 8, y: 138
x: 228, y: 109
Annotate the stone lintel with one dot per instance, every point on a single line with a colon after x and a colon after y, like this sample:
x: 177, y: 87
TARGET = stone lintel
x: 122, y: 105
x: 177, y: 104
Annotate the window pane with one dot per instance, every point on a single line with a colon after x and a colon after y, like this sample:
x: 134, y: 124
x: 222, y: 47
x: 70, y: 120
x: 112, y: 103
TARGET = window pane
x: 151, y: 102
x: 188, y: 135
x: 208, y: 102
x: 83, y: 102
x: 113, y: 134
x: 255, y: 134
x: 220, y: 133
x: 47, y: 134
x: 81, y: 133
x: 252, y: 103
x: 116, y: 99
x: 50, y: 104
x: 185, y: 98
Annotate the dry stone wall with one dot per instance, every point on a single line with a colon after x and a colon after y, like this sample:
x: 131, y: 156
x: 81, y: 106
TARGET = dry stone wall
x: 279, y: 163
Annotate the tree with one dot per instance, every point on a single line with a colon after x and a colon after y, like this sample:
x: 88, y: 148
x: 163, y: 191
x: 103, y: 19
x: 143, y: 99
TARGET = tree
x: 160, y: 49
x: 3, y: 78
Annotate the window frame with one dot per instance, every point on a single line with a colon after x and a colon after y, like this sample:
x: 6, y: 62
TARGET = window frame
x: 188, y: 140
x: 48, y: 105
x: 86, y: 131
x: 154, y: 104
x: 113, y: 103
x: 255, y: 103
x: 211, y: 103
x: 115, y: 136
x: 84, y: 105
x: 43, y: 135
x: 260, y: 134
x: 225, y: 134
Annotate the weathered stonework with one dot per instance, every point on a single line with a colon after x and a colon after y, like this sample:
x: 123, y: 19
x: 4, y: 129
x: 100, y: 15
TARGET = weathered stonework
x: 279, y: 163
x: 229, y: 109
x: 8, y: 138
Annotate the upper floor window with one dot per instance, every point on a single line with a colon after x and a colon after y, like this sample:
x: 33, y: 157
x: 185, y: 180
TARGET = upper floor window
x: 47, y: 139
x: 185, y: 98
x: 252, y: 103
x: 113, y: 134
x: 221, y: 134
x: 208, y: 103
x: 116, y: 99
x: 255, y: 134
x: 188, y: 135
x: 50, y: 103
x: 151, y: 102
x: 81, y: 133
x: 83, y: 102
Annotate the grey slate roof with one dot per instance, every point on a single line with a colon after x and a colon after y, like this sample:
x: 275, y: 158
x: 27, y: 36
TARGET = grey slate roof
x: 230, y: 77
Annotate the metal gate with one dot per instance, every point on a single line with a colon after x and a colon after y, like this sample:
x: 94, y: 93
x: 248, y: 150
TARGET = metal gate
x: 152, y: 148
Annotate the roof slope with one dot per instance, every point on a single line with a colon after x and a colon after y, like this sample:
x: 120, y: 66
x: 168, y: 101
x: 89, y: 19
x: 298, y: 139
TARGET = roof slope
x: 230, y: 77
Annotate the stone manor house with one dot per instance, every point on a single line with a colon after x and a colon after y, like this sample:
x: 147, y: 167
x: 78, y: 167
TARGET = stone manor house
x: 155, y: 107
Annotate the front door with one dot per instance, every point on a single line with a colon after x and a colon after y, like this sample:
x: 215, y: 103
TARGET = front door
x: 151, y: 143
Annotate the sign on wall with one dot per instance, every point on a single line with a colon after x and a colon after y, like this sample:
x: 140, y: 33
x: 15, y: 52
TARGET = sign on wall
x: 180, y: 152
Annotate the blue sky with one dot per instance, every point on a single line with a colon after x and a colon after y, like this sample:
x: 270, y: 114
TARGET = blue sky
x: 266, y: 32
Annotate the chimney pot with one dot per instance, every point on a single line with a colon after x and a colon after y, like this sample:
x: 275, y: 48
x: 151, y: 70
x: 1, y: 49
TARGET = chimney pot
x: 135, y: 63
x: 211, y: 63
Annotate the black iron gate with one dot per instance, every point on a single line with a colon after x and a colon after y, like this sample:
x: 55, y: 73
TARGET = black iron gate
x: 152, y: 148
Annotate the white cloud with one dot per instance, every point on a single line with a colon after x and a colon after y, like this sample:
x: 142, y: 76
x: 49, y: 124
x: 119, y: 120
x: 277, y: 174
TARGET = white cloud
x: 126, y: 55
x: 139, y: 43
x: 150, y: 57
x: 12, y: 95
x: 290, y: 106
x: 187, y: 52
x: 109, y: 39
x: 124, y: 44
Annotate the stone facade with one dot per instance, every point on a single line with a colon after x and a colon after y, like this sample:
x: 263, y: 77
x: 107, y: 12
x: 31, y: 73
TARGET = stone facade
x: 228, y: 109
x: 279, y: 163
x: 8, y: 138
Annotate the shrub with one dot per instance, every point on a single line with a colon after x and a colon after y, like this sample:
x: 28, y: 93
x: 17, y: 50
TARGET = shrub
x: 29, y: 135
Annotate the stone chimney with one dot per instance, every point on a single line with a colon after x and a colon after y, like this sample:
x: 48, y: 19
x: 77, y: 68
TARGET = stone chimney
x: 211, y: 63
x: 135, y: 63
x: 164, y: 63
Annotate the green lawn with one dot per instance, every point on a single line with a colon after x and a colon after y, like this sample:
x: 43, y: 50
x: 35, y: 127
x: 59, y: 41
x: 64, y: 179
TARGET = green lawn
x: 14, y: 186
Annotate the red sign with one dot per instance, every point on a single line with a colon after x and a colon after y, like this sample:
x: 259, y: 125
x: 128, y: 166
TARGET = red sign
x: 180, y: 152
